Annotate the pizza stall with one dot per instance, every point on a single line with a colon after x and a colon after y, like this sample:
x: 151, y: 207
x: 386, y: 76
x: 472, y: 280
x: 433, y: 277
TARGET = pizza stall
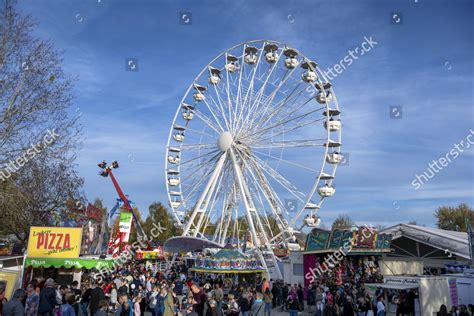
x: 54, y: 252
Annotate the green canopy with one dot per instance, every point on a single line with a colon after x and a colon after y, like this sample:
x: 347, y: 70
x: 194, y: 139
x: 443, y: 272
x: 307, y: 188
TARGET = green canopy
x: 76, y: 263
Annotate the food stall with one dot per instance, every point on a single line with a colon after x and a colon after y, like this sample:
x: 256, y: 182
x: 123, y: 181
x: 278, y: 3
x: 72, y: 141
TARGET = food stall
x: 54, y: 252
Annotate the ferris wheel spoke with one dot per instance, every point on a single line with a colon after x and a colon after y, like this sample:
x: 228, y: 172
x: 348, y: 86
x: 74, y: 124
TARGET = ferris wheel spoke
x: 291, y: 143
x: 238, y: 94
x: 254, y: 102
x: 273, y: 113
x: 200, y: 132
x: 228, y: 93
x: 194, y: 167
x: 279, y: 159
x: 289, y: 115
x: 214, y: 115
x: 268, y: 135
x: 198, y: 157
x: 279, y: 178
x: 250, y: 88
x: 265, y: 104
x: 221, y: 107
x: 197, y: 146
x: 206, y: 121
x: 264, y: 118
x: 281, y: 122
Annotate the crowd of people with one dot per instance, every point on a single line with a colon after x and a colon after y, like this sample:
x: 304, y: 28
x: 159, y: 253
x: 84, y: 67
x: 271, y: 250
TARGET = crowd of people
x: 133, y: 290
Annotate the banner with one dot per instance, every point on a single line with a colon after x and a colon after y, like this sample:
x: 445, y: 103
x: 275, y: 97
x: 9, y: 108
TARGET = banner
x: 453, y: 291
x: 54, y: 242
x: 8, y: 279
x: 69, y: 263
x: 125, y: 225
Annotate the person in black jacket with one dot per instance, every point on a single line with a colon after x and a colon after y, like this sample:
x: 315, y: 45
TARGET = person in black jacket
x: 244, y: 304
x: 348, y: 307
x: 300, y: 294
x: 311, y: 298
x: 97, y: 295
x: 47, y: 300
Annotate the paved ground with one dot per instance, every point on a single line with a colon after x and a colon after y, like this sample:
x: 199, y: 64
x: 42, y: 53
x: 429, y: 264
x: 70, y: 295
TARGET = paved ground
x: 275, y: 312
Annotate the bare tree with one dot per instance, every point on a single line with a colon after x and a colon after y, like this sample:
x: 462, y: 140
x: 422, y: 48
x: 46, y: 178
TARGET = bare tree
x: 37, y: 172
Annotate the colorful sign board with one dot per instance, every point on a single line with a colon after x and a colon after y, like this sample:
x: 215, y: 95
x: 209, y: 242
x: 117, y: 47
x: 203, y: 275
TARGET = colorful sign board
x: 54, y: 242
x: 317, y: 239
x: 149, y: 255
x: 362, y: 239
x: 365, y: 237
x: 125, y: 225
x: 336, y: 238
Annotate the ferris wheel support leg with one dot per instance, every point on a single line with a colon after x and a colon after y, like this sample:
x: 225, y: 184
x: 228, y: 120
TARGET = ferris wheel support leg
x: 209, y: 195
x: 213, y: 178
x: 250, y: 210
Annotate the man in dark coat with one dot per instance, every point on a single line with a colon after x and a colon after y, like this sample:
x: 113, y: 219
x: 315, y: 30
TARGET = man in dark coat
x: 47, y: 300
x: 97, y: 295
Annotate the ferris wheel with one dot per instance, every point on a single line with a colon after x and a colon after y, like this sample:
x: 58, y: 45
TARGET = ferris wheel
x: 254, y: 145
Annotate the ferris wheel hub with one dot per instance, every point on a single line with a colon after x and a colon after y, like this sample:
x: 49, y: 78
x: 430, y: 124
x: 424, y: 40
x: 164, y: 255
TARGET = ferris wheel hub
x: 225, y: 141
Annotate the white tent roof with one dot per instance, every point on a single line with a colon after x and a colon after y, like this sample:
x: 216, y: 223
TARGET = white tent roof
x: 454, y: 242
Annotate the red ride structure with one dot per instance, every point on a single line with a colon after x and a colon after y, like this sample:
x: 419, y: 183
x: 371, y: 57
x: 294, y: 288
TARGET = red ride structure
x: 107, y: 171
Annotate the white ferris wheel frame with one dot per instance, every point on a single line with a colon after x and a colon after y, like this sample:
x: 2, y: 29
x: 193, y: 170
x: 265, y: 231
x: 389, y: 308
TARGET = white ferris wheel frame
x: 287, y: 228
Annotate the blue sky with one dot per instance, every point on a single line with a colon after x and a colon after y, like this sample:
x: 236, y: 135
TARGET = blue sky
x: 424, y: 64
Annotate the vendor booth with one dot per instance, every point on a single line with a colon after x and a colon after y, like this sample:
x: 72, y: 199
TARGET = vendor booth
x: 344, y: 256
x: 53, y: 252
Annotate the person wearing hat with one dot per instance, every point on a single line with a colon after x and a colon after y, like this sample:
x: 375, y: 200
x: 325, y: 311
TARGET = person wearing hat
x: 15, y: 307
x: 47, y: 301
